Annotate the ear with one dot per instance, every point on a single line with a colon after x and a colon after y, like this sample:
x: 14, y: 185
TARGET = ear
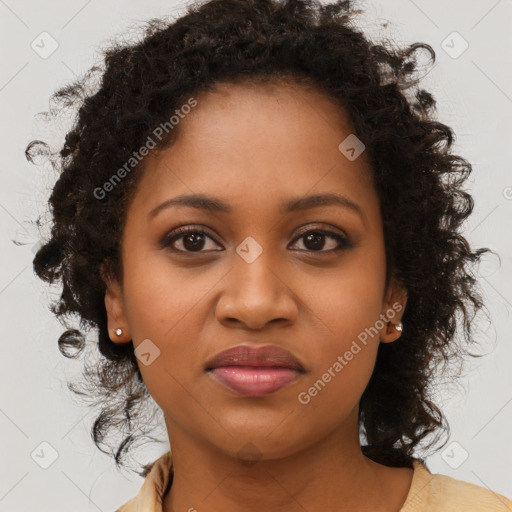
x: 114, y: 305
x: 393, y: 311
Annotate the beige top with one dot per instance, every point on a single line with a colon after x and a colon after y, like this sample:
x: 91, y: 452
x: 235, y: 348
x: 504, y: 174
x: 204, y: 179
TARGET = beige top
x: 428, y: 493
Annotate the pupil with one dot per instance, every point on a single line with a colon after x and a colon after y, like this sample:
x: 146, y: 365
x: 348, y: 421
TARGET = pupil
x: 315, y: 238
x: 196, y: 238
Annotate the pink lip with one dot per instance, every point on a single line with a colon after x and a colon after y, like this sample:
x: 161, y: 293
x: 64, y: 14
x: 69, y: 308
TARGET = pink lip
x: 255, y: 371
x: 248, y: 355
x: 254, y: 380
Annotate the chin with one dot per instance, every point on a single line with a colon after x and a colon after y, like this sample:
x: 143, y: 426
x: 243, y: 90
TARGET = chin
x: 259, y: 446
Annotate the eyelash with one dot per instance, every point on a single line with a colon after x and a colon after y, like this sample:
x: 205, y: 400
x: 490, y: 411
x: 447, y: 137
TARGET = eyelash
x: 171, y: 237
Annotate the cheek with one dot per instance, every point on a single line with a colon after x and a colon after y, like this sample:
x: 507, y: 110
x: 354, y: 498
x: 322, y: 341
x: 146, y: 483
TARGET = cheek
x: 169, y: 306
x: 160, y: 298
x: 343, y: 362
x: 346, y: 309
x: 166, y: 312
x: 348, y: 302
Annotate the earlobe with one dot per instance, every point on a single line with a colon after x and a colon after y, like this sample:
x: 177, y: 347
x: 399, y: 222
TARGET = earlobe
x: 393, y: 312
x: 393, y: 330
x: 117, y: 325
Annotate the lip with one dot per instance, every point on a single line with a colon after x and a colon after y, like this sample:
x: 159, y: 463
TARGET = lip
x: 255, y: 371
x: 247, y: 355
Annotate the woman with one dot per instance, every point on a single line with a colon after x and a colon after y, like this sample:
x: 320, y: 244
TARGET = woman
x: 260, y: 216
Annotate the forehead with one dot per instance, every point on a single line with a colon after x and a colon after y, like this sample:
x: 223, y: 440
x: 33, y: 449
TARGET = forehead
x: 258, y: 142
x: 267, y: 106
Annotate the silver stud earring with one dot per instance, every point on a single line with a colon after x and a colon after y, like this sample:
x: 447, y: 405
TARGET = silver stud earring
x: 118, y: 331
x: 399, y: 326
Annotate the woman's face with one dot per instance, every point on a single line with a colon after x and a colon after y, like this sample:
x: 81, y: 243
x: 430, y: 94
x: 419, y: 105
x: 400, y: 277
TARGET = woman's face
x: 262, y: 275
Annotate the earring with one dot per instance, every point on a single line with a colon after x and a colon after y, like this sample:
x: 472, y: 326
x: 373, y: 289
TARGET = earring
x: 118, y: 331
x: 399, y: 326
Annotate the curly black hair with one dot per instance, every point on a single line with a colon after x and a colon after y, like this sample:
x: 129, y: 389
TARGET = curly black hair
x: 419, y: 184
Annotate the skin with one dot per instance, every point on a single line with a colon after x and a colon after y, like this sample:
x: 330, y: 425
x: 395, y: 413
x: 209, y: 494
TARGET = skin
x: 255, y: 147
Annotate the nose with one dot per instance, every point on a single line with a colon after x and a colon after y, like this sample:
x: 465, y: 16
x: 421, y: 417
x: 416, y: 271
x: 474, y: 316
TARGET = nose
x: 255, y: 294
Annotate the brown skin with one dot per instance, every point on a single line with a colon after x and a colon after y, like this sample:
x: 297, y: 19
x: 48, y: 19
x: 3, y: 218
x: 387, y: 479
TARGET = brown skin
x: 255, y: 147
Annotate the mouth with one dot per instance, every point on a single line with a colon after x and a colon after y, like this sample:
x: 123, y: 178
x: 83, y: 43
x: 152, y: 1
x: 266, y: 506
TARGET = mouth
x: 254, y: 380
x: 255, y: 371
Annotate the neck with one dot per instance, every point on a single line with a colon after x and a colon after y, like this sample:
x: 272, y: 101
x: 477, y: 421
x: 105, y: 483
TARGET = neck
x: 332, y: 474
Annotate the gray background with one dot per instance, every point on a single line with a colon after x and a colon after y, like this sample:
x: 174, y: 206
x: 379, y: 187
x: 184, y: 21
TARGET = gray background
x: 474, y: 95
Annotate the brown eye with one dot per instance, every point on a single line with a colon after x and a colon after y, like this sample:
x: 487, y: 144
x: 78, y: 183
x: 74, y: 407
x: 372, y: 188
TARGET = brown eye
x: 315, y: 241
x: 195, y: 240
x: 192, y: 240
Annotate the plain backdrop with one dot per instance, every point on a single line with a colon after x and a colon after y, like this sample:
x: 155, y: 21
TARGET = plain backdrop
x: 472, y: 83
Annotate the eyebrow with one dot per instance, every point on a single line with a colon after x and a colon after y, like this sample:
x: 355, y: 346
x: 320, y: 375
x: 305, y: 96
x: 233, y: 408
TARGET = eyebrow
x: 216, y: 205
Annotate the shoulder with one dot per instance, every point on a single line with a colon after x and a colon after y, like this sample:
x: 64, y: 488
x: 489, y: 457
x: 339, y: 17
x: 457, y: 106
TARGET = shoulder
x: 450, y: 492
x: 440, y: 493
x: 158, y: 479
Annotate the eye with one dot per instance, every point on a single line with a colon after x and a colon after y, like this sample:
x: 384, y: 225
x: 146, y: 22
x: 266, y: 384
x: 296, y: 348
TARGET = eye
x: 314, y: 240
x: 191, y: 239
